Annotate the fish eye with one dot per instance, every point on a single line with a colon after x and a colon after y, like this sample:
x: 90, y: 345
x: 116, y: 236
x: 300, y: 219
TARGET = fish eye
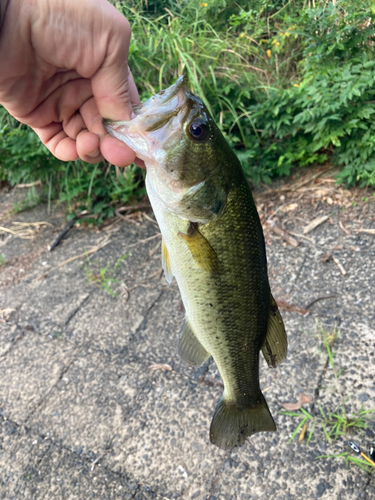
x: 198, y: 130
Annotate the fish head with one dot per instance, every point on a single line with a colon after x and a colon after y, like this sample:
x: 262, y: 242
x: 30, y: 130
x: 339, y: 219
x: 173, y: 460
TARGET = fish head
x: 176, y: 137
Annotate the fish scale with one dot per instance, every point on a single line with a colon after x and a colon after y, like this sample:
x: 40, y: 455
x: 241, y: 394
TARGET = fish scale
x: 214, y: 246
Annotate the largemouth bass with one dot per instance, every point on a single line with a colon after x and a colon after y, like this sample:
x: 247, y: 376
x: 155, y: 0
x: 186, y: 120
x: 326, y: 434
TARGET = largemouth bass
x: 213, y: 244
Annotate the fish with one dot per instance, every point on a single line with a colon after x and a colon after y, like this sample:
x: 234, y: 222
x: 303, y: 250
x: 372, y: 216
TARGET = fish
x: 213, y: 244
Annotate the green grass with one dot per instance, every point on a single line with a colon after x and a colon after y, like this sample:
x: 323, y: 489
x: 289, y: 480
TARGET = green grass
x: 349, y: 458
x: 104, y: 278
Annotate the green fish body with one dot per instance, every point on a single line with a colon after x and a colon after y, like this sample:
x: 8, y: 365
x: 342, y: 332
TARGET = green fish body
x: 213, y: 244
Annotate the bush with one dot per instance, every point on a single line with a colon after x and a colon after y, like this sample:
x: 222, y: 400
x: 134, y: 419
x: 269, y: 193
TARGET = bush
x: 327, y: 110
x: 287, y: 83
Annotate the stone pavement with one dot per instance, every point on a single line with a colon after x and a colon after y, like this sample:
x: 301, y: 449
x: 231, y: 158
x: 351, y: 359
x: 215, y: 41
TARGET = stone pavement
x: 82, y: 414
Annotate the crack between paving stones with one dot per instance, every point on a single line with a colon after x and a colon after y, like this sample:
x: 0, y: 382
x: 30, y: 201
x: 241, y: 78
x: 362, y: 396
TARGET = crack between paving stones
x: 64, y: 370
x: 80, y: 348
x: 14, y: 342
x: 136, y: 490
x: 131, y: 338
x: 74, y: 312
x: 90, y: 463
x: 23, y: 330
x: 60, y: 446
x: 319, y: 385
x: 55, y: 443
x: 98, y: 349
x: 368, y: 483
x: 149, y: 491
x: 142, y: 326
x: 29, y: 432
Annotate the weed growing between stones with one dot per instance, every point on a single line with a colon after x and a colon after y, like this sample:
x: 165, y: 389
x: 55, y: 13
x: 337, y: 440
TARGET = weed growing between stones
x: 105, y: 277
x: 334, y: 424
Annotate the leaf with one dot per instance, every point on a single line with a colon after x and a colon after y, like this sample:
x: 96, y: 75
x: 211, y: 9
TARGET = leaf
x: 304, y: 399
x: 291, y: 406
x: 303, y: 432
x: 297, y: 429
x: 162, y: 367
x: 290, y: 207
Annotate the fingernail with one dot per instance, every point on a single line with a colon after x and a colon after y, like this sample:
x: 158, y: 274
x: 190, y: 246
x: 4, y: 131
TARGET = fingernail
x: 94, y: 154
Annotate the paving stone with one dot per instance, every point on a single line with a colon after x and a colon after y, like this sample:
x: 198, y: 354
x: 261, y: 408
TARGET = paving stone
x: 29, y: 371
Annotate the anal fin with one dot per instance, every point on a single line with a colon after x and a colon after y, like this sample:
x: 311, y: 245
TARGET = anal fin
x: 166, y: 263
x: 190, y: 349
x: 275, y: 346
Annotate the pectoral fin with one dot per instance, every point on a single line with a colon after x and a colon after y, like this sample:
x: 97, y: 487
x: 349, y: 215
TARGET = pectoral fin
x: 276, y: 344
x: 202, y: 252
x: 166, y: 263
x: 190, y: 349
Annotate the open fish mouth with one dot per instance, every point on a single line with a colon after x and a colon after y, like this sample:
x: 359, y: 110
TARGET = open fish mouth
x: 154, y: 123
x: 162, y: 100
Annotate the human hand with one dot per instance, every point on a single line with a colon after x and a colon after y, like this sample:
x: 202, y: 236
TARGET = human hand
x: 64, y: 66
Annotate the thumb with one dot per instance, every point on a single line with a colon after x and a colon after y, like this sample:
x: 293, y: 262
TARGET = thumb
x: 113, y: 86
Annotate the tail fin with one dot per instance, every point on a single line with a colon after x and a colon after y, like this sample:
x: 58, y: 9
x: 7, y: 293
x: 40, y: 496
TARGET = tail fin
x: 231, y: 425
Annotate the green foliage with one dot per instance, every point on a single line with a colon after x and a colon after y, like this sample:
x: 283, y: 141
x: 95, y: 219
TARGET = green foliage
x: 32, y: 200
x: 349, y: 459
x: 329, y: 109
x: 289, y: 84
x: 98, y: 188
x: 334, y: 424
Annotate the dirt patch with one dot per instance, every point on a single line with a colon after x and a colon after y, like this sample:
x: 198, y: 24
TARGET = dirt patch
x: 287, y: 212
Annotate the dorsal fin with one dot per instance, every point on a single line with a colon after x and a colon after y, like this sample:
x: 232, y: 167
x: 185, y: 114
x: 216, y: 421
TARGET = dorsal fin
x: 275, y: 346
